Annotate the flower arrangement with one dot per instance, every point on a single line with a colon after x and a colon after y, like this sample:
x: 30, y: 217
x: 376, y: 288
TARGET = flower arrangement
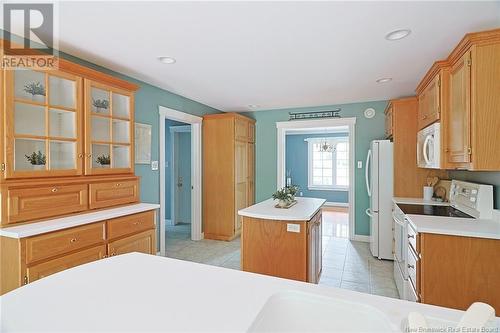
x: 100, y: 104
x: 286, y: 195
x: 103, y: 159
x: 36, y: 158
x: 34, y: 88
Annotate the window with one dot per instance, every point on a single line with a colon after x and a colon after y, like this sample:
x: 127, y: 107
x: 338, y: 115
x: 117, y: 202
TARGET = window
x: 328, y: 169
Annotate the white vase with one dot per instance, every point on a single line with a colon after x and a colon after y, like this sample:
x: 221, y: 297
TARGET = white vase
x: 38, y: 98
x: 38, y: 166
x: 283, y: 203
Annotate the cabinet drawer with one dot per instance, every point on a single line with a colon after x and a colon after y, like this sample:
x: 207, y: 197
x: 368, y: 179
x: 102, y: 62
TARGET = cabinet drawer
x: 72, y: 260
x: 59, y: 242
x: 32, y: 203
x: 413, y: 239
x: 130, y: 224
x: 113, y: 193
x: 144, y: 242
x: 413, y: 268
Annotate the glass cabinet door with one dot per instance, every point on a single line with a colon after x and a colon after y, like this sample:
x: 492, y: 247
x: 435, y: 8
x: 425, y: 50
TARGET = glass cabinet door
x: 109, y: 119
x: 42, y: 124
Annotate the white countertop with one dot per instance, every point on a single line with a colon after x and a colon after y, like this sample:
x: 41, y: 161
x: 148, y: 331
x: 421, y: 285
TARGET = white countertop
x: 139, y: 293
x: 418, y: 201
x: 303, y: 210
x: 36, y: 228
x: 455, y: 226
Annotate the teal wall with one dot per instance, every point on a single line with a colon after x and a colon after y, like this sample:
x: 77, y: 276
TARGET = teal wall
x: 484, y: 177
x: 296, y: 153
x: 366, y: 130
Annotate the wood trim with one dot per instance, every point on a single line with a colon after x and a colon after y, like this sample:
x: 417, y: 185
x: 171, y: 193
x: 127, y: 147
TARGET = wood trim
x: 228, y: 115
x: 10, y: 257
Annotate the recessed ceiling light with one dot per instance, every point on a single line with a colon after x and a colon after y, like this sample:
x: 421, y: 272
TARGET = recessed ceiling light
x: 384, y: 80
x: 167, y: 60
x: 398, y: 34
x: 253, y: 106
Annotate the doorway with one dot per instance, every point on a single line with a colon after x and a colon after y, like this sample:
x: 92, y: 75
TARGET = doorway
x: 191, y: 181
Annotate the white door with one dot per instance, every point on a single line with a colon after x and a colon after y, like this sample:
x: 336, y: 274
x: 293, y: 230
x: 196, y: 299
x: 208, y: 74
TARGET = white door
x: 182, y: 177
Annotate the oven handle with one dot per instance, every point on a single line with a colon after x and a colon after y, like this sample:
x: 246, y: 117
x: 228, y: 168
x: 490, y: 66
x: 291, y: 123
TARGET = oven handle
x: 397, y: 220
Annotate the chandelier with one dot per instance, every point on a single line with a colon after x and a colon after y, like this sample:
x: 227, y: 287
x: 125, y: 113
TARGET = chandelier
x: 326, y: 147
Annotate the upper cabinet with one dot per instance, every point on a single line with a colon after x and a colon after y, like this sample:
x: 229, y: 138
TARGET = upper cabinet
x: 462, y: 92
x: 108, y: 129
x: 68, y: 122
x: 42, y: 124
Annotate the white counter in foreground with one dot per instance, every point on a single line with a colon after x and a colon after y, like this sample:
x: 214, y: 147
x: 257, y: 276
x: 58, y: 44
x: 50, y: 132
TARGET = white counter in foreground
x: 304, y: 210
x: 144, y: 293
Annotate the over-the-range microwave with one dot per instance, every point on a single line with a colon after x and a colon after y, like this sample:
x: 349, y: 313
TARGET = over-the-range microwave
x: 429, y: 147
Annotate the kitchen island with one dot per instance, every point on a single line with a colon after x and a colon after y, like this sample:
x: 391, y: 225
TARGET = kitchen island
x: 283, y: 242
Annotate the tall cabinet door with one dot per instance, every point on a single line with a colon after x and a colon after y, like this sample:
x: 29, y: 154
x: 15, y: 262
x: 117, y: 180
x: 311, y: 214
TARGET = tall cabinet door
x: 42, y: 124
x: 429, y: 103
x: 251, y: 173
x: 109, y: 128
x: 458, y: 140
x: 240, y: 179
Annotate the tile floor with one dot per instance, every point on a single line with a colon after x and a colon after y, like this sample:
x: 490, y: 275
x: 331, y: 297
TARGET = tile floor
x: 346, y: 264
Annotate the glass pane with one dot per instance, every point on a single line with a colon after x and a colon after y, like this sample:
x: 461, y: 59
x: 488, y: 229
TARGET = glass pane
x: 100, y: 128
x: 317, y: 181
x: 29, y: 119
x: 121, y: 106
x: 121, y: 131
x: 317, y: 164
x: 327, y: 180
x: 62, y: 155
x: 62, y: 92
x: 29, y: 85
x: 121, y: 156
x: 29, y: 154
x: 62, y: 123
x: 100, y: 156
x: 341, y: 155
x: 316, y: 155
x: 327, y: 164
x: 100, y: 101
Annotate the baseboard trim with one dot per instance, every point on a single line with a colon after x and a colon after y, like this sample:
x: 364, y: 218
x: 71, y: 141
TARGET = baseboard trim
x: 336, y: 204
x: 361, y: 238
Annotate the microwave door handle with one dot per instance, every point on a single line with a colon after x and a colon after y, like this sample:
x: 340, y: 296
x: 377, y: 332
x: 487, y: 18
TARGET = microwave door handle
x: 367, y: 171
x: 426, y: 143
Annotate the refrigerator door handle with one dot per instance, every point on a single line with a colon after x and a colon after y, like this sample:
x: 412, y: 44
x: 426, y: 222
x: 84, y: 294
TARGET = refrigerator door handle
x: 368, y: 212
x: 367, y: 171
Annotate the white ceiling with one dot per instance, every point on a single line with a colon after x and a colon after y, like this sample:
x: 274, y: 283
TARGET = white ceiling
x: 272, y: 54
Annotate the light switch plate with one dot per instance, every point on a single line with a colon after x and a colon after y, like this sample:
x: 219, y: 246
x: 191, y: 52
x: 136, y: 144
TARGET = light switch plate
x: 291, y: 227
x: 154, y: 165
x: 360, y: 164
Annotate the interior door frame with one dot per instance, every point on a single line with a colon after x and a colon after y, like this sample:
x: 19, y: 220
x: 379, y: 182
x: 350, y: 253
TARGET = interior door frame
x: 173, y: 130
x: 316, y: 124
x: 196, y: 174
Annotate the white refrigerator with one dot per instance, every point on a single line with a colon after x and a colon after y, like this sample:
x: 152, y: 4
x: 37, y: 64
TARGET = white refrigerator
x: 379, y: 185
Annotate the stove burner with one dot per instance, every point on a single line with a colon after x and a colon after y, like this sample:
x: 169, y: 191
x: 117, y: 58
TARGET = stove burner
x: 432, y: 210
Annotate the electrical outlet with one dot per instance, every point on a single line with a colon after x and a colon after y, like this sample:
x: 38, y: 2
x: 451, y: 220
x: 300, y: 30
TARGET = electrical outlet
x: 154, y: 165
x: 360, y: 164
x: 292, y: 227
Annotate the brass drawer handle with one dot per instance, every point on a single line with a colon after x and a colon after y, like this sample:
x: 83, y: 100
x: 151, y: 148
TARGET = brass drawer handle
x: 411, y: 236
x: 136, y: 223
x: 112, y: 254
x: 72, y: 240
x: 54, y: 190
x: 118, y: 184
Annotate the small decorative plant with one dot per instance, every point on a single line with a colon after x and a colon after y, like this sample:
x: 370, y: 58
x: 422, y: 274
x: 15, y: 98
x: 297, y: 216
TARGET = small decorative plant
x: 293, y: 190
x: 36, y: 158
x: 100, y: 104
x: 283, y: 196
x: 103, y: 159
x: 34, y: 88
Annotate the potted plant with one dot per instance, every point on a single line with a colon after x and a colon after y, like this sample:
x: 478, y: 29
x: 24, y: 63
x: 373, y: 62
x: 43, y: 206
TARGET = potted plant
x: 104, y: 160
x: 36, y: 90
x: 293, y: 190
x: 37, y: 159
x: 100, y: 105
x: 283, y: 196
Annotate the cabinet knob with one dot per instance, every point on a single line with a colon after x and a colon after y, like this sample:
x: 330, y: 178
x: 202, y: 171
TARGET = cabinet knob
x: 80, y: 155
x: 118, y: 184
x: 72, y: 240
x: 424, y: 117
x: 89, y: 155
x: 105, y: 256
x: 112, y: 254
x: 54, y: 190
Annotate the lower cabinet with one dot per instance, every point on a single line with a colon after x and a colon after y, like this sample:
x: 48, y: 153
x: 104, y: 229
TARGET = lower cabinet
x: 28, y: 259
x: 143, y: 242
x: 314, y: 256
x: 68, y: 261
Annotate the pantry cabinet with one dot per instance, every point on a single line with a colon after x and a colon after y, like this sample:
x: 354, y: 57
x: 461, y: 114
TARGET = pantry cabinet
x: 228, y: 173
